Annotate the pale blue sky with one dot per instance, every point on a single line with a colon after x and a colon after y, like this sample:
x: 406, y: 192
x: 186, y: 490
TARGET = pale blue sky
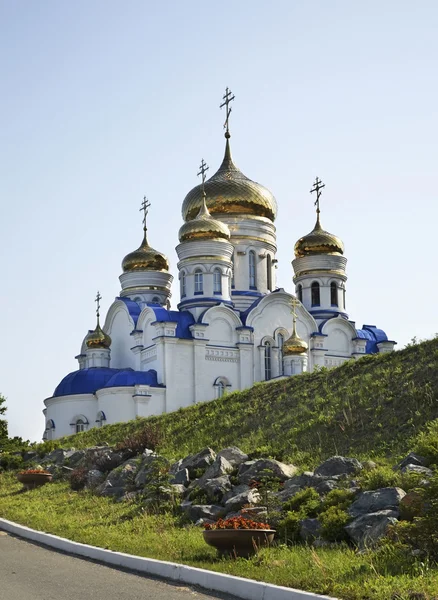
x: 104, y: 101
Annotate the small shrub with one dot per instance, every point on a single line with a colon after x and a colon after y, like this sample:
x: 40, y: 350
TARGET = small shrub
x: 380, y: 477
x: 307, y: 503
x: 149, y: 437
x: 11, y: 462
x: 288, y: 529
x: 427, y: 442
x: 333, y: 522
x: 198, y: 496
x: 340, y: 499
x: 78, y: 478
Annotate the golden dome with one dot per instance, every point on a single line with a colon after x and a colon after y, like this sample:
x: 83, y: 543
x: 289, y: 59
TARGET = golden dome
x: 204, y: 227
x: 318, y: 241
x: 230, y: 192
x: 145, y: 258
x: 98, y: 338
x: 294, y: 344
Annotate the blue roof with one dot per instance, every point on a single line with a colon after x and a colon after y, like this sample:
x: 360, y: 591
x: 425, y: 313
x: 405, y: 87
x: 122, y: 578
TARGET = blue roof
x: 133, y: 309
x: 88, y: 381
x: 373, y: 336
x: 183, y: 320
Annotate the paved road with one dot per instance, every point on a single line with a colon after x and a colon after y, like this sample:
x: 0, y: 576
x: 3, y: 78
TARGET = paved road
x: 31, y: 572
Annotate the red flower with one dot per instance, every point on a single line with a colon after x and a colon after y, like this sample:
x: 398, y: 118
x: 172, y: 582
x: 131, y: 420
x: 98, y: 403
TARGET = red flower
x: 236, y: 523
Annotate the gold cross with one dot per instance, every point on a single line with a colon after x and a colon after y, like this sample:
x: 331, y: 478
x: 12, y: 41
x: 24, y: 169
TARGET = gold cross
x: 97, y: 300
x: 228, y: 97
x: 294, y: 303
x: 145, y: 208
x: 317, y: 187
x: 202, y: 171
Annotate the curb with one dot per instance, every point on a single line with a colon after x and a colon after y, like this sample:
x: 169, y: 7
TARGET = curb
x: 247, y: 589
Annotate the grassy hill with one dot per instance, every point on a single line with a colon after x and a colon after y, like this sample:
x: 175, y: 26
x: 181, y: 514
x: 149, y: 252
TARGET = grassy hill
x: 371, y: 407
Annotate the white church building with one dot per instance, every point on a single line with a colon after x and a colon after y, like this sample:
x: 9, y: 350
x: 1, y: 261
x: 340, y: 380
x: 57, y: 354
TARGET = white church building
x: 232, y: 327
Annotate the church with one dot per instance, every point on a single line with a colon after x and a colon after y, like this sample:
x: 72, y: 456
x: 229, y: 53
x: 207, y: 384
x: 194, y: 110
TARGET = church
x: 232, y: 326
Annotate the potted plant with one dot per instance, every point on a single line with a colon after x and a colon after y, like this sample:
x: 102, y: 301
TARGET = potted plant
x: 32, y: 478
x: 238, y: 536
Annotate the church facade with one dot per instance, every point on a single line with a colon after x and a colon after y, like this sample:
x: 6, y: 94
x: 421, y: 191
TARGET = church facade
x: 232, y: 326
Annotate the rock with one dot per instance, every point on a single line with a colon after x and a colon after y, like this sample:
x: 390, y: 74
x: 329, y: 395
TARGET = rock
x: 202, y: 511
x: 217, y: 487
x: 233, y: 455
x: 235, y: 491
x: 56, y: 457
x: 119, y: 479
x: 129, y: 496
x: 288, y: 493
x: 339, y: 465
x: 220, y: 466
x: 177, y: 489
x: 200, y: 461
x: 29, y: 455
x: 412, y: 459
x: 148, y: 469
x: 265, y: 467
x: 410, y: 468
x: 411, y: 505
x: 75, y: 458
x: 180, y: 477
x: 367, y: 529
x: 377, y: 500
x: 94, y: 478
x: 322, y: 484
x: 369, y: 465
x: 175, y: 467
x: 309, y: 529
x: 202, y: 522
x: 237, y: 502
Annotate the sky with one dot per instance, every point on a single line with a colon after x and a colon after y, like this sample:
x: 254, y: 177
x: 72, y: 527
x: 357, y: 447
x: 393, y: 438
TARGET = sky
x: 104, y: 102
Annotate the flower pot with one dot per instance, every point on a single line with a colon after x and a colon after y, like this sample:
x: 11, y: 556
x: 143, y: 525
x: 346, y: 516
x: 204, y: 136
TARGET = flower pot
x: 33, y: 480
x: 238, y: 542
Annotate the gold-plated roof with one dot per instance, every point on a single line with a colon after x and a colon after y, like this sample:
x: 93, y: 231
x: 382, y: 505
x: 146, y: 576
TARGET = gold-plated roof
x: 294, y: 345
x: 98, y: 338
x: 318, y: 241
x: 145, y: 258
x: 204, y: 227
x: 230, y: 192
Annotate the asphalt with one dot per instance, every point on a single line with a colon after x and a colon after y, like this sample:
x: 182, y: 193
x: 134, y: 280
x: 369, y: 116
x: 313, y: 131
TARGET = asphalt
x: 31, y: 572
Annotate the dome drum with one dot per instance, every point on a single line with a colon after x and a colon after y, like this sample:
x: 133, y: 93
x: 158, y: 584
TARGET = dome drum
x: 328, y: 264
x: 208, y: 250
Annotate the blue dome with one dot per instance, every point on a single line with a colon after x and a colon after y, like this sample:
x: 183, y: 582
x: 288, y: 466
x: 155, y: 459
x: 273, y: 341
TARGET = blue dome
x: 373, y: 335
x: 84, y: 381
x: 129, y: 377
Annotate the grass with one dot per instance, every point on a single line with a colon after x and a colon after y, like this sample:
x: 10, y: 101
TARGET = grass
x: 371, y: 407
x: 341, y: 572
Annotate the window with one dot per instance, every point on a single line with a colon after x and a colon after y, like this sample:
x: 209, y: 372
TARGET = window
x: 252, y: 269
x: 300, y: 292
x: 220, y: 389
x: 268, y: 370
x: 155, y: 300
x: 269, y: 272
x: 280, y: 353
x: 333, y: 294
x: 199, y: 282
x: 183, y: 284
x: 101, y: 418
x: 80, y: 425
x: 315, y: 294
x: 217, y: 281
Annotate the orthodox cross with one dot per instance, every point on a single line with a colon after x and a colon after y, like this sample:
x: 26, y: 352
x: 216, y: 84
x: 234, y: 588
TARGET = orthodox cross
x: 317, y: 187
x: 145, y: 208
x: 228, y: 97
x: 97, y: 300
x: 294, y: 303
x: 202, y: 171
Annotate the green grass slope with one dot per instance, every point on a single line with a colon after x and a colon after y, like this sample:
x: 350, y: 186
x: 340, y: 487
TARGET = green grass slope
x: 373, y: 407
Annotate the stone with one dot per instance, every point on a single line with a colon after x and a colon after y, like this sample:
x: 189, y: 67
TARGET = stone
x: 339, y: 465
x: 322, y: 484
x: 288, y: 493
x: 75, y: 458
x: 177, y: 489
x: 413, y: 459
x: 175, y: 467
x: 369, y: 465
x: 235, y: 491
x: 180, y: 477
x: 411, y: 505
x: 200, y: 461
x: 310, y: 529
x: 56, y: 456
x: 367, y: 529
x: 104, y: 459
x: 129, y: 496
x: 237, y: 502
x: 202, y: 511
x: 220, y: 466
x: 148, y: 469
x: 94, y: 478
x: 265, y: 467
x: 419, y: 469
x: 233, y: 455
x: 216, y: 488
x: 119, y: 479
x: 377, y: 500
x: 30, y: 455
x: 326, y: 486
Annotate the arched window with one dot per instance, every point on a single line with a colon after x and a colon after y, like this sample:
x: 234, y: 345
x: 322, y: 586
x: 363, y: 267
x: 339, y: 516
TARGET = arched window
x: 183, y: 284
x: 217, y: 281
x: 252, y: 270
x: 315, y: 294
x: 220, y: 389
x: 333, y: 294
x: 199, y: 282
x: 280, y: 353
x: 155, y: 300
x: 300, y: 292
x: 268, y: 369
x: 269, y: 272
x: 80, y: 425
x: 101, y: 418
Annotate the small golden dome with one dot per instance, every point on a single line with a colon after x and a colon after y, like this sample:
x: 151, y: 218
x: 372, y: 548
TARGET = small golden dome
x: 294, y: 345
x: 318, y: 241
x: 230, y: 192
x: 145, y: 258
x: 98, y: 338
x: 204, y: 227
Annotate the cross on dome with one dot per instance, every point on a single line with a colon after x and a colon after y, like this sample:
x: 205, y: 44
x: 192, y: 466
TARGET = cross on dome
x: 227, y: 98
x: 97, y: 300
x: 317, y: 187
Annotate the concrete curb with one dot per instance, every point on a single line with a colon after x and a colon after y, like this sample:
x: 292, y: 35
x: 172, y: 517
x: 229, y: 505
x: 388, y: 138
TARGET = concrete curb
x: 247, y: 589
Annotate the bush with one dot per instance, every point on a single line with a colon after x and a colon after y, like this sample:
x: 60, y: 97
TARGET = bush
x: 78, y: 478
x: 426, y: 443
x: 11, y: 462
x: 380, y: 477
x: 333, y: 522
x: 307, y: 503
x: 340, y: 499
x: 149, y: 437
x: 288, y: 529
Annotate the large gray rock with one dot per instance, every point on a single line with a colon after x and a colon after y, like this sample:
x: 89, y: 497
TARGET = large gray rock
x: 367, y: 529
x: 235, y: 491
x: 59, y: 456
x: 339, y: 465
x: 148, y: 469
x: 237, y: 502
x: 199, y: 461
x: 120, y: 479
x: 419, y: 469
x: 180, y: 477
x: 75, y: 458
x: 413, y: 459
x: 288, y: 493
x: 216, y: 488
x: 310, y: 529
x: 265, y: 467
x: 321, y: 484
x: 103, y: 459
x: 233, y: 455
x: 202, y: 511
x: 94, y: 478
x: 220, y: 466
x: 30, y: 455
x: 377, y: 500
